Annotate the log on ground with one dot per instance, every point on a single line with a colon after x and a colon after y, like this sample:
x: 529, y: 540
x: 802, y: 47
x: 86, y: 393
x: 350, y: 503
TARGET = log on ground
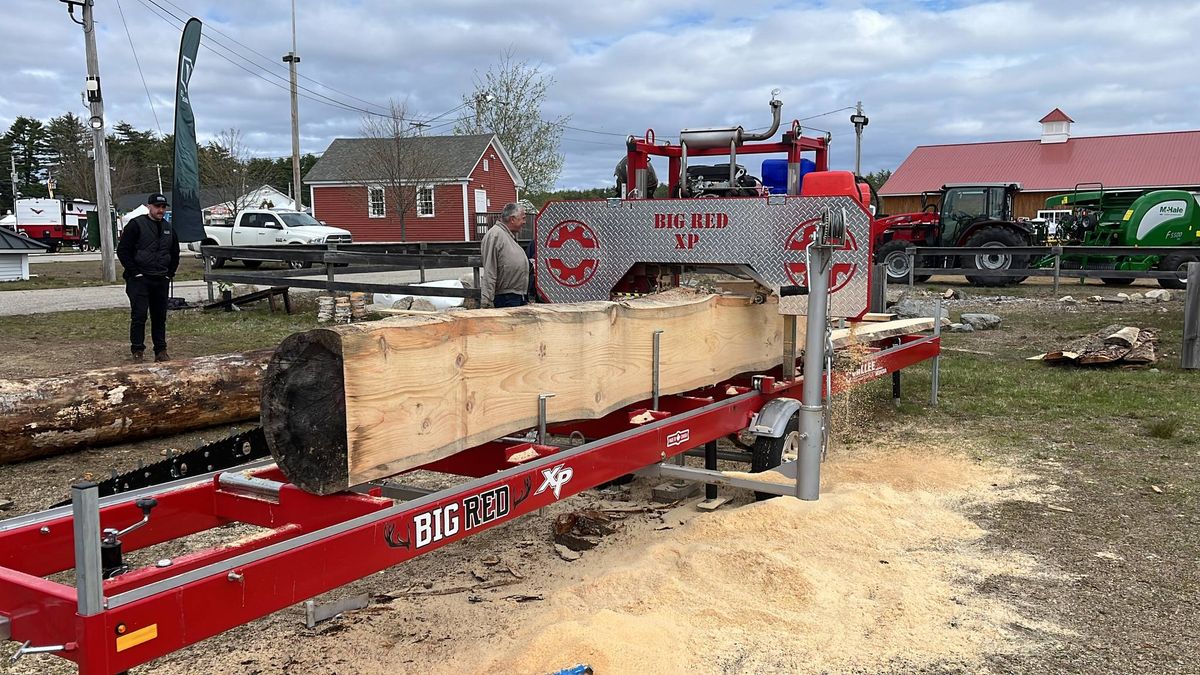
x: 348, y: 404
x: 51, y: 415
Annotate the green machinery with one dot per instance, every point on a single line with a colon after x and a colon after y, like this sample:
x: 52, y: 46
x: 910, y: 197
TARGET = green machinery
x: 1102, y: 217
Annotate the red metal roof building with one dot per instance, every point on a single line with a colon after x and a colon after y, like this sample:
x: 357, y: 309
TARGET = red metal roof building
x: 1051, y: 165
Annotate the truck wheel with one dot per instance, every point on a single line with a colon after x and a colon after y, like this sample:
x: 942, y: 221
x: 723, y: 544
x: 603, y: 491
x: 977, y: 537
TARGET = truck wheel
x: 1175, y: 262
x: 218, y: 263
x: 769, y: 453
x: 892, y: 256
x: 252, y: 264
x: 994, y: 237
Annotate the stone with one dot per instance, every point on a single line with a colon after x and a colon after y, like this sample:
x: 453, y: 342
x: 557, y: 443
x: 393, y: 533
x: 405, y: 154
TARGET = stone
x: 1159, y: 295
x: 961, y: 328
x: 1135, y: 296
x: 1116, y: 299
x: 566, y: 553
x: 1123, y: 295
x: 1096, y: 298
x: 1068, y: 300
x: 982, y: 321
x: 911, y: 308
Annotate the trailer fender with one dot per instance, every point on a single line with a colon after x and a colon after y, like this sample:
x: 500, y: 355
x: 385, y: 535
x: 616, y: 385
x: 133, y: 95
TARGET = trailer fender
x: 772, y: 420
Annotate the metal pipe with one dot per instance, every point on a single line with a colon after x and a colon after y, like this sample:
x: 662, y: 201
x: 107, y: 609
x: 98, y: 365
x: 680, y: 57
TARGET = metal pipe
x: 85, y: 521
x: 812, y: 411
x: 238, y: 483
x: 776, y: 107
x: 732, y: 164
x: 541, y: 435
x: 656, y: 351
x: 683, y: 182
x: 710, y: 463
x: 937, y: 359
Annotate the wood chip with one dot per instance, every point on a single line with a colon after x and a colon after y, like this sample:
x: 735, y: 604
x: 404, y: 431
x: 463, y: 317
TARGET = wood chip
x: 6, y: 504
x: 1156, y: 489
x: 1059, y: 508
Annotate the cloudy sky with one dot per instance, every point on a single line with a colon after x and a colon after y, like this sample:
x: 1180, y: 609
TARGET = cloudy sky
x: 926, y: 72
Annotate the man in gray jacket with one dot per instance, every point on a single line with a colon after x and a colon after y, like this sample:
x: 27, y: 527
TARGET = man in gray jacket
x: 505, y: 278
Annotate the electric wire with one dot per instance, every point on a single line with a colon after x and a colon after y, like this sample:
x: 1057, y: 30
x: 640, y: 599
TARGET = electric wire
x: 138, y: 62
x: 285, y: 82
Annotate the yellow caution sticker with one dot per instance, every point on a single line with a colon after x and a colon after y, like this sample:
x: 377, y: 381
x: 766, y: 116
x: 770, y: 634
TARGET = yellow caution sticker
x: 1128, y: 214
x: 137, y: 637
x: 1064, y: 200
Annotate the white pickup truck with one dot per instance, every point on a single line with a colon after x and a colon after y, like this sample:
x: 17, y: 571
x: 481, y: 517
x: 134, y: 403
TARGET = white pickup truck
x: 268, y: 227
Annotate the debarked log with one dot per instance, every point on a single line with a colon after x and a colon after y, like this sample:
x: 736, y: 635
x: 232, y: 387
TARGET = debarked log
x: 51, y: 415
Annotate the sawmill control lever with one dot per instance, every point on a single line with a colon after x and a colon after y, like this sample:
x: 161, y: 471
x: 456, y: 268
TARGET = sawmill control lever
x: 111, y: 558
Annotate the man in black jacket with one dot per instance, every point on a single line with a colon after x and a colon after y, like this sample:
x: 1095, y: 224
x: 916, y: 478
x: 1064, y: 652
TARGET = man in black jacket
x: 149, y: 252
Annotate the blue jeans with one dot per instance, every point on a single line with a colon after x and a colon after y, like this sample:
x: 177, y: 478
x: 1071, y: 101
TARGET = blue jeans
x: 508, y: 300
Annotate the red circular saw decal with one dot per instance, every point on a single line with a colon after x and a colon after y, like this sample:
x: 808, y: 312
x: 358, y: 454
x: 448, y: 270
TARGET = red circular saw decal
x: 570, y: 253
x: 841, y: 272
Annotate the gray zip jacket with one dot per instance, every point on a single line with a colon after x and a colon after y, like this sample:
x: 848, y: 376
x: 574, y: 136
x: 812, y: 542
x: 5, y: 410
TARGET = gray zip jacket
x: 505, y: 265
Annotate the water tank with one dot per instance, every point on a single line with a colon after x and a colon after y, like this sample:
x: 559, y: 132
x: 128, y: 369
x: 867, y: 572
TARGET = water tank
x: 774, y: 174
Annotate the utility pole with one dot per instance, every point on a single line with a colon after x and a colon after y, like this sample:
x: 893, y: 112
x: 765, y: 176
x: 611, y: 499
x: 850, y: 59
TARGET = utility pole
x: 859, y: 120
x: 291, y: 59
x: 95, y: 100
x: 16, y: 192
x: 158, y: 167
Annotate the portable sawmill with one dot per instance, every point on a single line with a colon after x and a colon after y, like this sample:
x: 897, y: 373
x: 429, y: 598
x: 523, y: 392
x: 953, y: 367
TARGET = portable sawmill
x: 346, y: 415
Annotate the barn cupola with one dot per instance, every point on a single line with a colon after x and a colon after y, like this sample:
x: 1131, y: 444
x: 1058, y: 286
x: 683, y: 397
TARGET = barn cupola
x: 1056, y: 127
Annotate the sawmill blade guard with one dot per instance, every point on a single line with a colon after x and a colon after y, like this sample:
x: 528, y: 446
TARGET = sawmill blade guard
x: 585, y: 248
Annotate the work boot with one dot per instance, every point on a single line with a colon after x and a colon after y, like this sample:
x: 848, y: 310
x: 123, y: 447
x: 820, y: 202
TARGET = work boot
x: 138, y: 357
x: 162, y: 356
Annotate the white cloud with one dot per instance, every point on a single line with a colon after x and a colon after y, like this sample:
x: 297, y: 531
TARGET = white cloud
x: 927, y: 73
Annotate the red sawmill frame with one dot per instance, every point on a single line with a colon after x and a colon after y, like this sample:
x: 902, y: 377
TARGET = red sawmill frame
x: 793, y: 144
x: 314, y: 544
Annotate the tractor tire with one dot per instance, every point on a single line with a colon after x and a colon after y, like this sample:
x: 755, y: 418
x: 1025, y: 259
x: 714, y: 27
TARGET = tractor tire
x: 1112, y: 281
x: 769, y: 453
x: 1176, y: 262
x: 252, y: 264
x: 895, y: 261
x: 998, y: 237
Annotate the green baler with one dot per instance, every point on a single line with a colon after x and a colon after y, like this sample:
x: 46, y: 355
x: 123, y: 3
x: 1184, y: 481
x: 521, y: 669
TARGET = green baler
x: 1130, y: 218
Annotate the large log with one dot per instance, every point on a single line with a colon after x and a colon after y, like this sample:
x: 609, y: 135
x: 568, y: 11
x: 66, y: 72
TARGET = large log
x: 349, y: 404
x: 51, y: 415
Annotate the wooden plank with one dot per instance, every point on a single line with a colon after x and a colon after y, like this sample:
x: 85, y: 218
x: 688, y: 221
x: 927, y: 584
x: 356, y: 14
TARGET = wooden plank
x: 348, y: 404
x: 879, y: 316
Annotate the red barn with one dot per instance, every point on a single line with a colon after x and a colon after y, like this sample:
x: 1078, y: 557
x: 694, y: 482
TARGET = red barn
x: 465, y: 178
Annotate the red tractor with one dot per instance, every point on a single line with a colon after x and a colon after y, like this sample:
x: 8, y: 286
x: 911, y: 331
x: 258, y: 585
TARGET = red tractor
x: 975, y: 215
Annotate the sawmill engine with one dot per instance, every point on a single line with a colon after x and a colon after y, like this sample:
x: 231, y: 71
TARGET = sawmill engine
x: 714, y: 181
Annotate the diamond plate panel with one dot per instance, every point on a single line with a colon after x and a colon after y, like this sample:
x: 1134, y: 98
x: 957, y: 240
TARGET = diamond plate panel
x: 585, y: 248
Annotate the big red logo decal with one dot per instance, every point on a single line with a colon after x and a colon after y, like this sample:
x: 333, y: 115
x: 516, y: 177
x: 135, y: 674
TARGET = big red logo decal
x: 839, y: 275
x: 570, y: 253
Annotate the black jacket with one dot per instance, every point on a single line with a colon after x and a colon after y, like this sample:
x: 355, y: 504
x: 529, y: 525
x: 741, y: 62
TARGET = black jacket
x: 148, y: 247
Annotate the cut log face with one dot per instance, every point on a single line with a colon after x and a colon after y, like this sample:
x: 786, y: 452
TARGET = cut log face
x: 349, y: 404
x: 51, y: 415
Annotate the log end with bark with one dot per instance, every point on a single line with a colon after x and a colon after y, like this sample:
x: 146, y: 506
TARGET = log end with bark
x: 304, y: 410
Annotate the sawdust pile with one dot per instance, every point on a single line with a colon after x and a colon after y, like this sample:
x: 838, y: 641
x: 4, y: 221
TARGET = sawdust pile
x: 878, y: 573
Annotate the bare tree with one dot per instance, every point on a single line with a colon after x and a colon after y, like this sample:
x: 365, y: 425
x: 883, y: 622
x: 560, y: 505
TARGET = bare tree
x: 396, y: 163
x: 228, y: 174
x: 507, y: 101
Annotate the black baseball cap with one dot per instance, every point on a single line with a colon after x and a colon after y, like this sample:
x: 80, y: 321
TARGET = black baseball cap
x: 157, y: 199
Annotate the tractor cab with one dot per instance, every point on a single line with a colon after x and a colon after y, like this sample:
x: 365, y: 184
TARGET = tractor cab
x: 963, y: 207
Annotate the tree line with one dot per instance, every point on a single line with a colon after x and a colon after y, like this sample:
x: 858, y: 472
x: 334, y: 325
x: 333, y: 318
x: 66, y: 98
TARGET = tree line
x: 58, y: 151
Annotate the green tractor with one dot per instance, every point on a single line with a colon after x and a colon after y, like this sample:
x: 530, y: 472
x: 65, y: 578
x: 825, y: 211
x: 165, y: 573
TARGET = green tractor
x: 1102, y: 217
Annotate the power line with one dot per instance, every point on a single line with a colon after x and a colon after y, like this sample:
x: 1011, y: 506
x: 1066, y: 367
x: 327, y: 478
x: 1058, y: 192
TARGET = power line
x: 275, y: 63
x: 129, y: 35
x: 208, y: 40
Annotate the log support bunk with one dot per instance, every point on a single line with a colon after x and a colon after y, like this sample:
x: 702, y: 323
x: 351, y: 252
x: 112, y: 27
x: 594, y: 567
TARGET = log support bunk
x: 127, y: 607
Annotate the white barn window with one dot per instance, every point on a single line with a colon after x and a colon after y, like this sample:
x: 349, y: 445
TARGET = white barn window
x: 425, y: 201
x: 376, y: 208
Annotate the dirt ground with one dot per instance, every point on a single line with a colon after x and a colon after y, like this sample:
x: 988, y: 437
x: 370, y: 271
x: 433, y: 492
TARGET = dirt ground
x: 1002, y: 532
